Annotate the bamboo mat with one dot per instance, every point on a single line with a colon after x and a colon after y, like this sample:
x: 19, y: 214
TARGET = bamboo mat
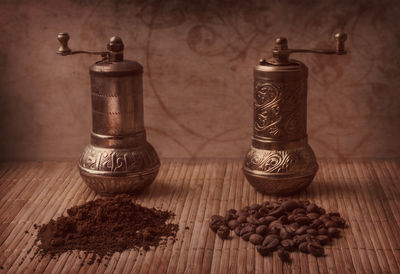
x: 366, y: 192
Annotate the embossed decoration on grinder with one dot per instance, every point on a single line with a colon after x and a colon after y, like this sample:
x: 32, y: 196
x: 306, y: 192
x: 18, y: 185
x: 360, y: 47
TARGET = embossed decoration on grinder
x: 118, y: 159
x: 280, y: 161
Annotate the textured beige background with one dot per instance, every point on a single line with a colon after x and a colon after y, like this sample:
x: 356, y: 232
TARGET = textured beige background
x: 198, y: 58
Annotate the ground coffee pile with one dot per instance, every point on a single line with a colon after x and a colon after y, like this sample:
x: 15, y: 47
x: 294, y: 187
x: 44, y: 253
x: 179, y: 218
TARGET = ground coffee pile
x: 102, y: 227
x: 282, y: 226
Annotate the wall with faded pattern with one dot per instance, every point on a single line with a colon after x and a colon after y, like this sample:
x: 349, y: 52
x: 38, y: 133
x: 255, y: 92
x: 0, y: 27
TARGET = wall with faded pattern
x: 198, y: 58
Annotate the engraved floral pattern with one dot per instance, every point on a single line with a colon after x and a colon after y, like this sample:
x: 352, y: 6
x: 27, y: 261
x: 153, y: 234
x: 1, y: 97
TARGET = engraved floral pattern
x: 99, y: 159
x: 266, y: 108
x: 301, y: 160
x: 273, y: 161
x: 279, y: 110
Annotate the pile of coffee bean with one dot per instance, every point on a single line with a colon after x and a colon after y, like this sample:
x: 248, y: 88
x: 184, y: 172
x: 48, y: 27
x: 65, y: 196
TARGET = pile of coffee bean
x: 283, y: 226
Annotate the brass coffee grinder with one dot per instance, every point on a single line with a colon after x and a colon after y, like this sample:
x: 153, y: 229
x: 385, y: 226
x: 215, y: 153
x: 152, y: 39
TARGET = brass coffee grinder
x: 280, y: 161
x: 119, y: 159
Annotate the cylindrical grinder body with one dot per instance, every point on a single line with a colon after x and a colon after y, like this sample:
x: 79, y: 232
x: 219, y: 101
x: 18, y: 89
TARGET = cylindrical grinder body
x: 280, y: 161
x: 119, y: 159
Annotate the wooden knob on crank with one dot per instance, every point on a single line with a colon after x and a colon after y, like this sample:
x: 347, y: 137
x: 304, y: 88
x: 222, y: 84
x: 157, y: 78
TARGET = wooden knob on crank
x: 63, y: 38
x: 340, y: 39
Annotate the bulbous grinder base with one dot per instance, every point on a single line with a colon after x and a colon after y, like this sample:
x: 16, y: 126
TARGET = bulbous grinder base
x: 280, y: 172
x: 114, y: 171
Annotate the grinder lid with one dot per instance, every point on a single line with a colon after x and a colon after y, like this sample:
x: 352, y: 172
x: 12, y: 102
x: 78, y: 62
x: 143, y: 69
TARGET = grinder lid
x: 115, y: 65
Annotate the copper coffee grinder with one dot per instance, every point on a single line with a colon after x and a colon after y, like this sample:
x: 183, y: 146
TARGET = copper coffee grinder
x: 280, y: 161
x: 118, y: 159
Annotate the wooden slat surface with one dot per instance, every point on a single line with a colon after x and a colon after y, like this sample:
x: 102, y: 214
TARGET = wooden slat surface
x: 366, y: 192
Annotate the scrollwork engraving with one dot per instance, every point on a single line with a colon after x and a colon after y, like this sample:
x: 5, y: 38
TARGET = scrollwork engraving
x: 118, y: 161
x: 281, y: 161
x: 272, y: 161
x: 266, y: 107
x: 278, y: 109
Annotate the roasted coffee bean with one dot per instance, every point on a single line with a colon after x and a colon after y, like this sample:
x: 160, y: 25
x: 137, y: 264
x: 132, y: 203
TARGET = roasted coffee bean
x: 270, y: 238
x: 267, y: 220
x: 256, y: 239
x: 223, y: 232
x: 231, y: 211
x: 333, y: 232
x: 243, y: 212
x: 283, y: 220
x: 336, y: 214
x: 340, y: 222
x: 322, y: 211
x: 325, y: 218
x: 214, y: 227
x: 305, y: 203
x: 255, y: 206
x: 217, y: 218
x: 303, y: 247
x: 237, y: 230
x: 312, y: 239
x: 284, y: 234
x: 216, y: 222
x: 265, y: 204
x: 302, y: 219
x: 303, y: 237
x: 252, y: 211
x: 315, y: 249
x: 296, y: 242
x: 313, y: 216
x: 248, y: 228
x: 229, y: 216
x: 291, y: 218
x: 312, y: 231
x: 294, y: 226
x: 276, y: 224
x: 323, y: 231
x: 283, y: 255
x: 299, y: 211
x: 246, y: 236
x: 301, y: 230
x: 289, y: 205
x: 312, y: 208
x: 298, y: 239
x: 332, y: 223
x: 263, y: 250
x: 263, y: 211
x: 252, y: 220
x: 263, y: 221
x: 275, y: 230
x: 262, y: 230
x: 317, y: 224
x: 323, y: 239
x: 272, y: 245
x: 291, y: 228
x: 232, y: 224
x: 275, y: 204
x: 241, y: 219
x: 287, y: 244
x: 276, y: 212
x: 257, y: 215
